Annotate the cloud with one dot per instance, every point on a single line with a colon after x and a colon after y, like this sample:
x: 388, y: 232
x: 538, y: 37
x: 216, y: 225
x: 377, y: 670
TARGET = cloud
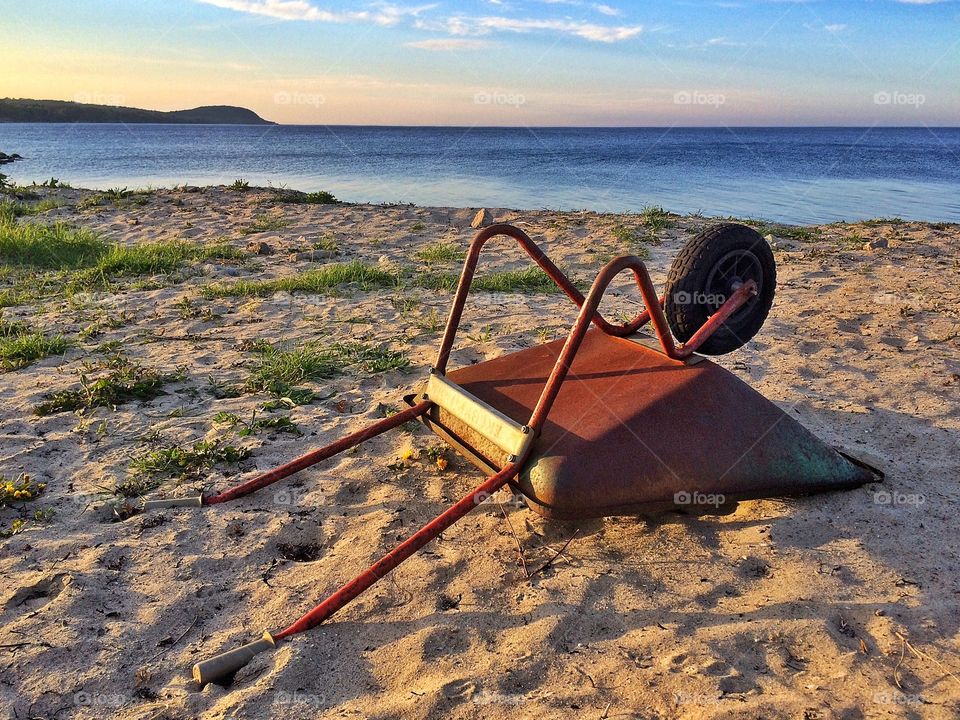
x: 449, y: 44
x: 384, y: 13
x: 381, y: 14
x: 586, y: 30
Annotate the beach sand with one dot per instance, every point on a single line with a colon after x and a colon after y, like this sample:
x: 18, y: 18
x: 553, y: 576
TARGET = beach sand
x: 834, y: 606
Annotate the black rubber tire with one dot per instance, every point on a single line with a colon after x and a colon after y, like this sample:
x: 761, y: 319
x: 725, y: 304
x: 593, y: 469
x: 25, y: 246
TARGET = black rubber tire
x: 704, y: 274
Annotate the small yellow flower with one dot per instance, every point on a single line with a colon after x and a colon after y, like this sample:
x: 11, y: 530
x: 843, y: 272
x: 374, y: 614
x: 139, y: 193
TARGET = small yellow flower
x: 442, y: 463
x: 407, y: 455
x: 26, y: 494
x: 17, y: 495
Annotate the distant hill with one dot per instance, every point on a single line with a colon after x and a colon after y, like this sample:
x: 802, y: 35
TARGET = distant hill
x: 60, y: 111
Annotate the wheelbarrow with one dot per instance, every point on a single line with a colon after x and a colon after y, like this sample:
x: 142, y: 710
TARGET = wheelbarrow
x: 609, y: 421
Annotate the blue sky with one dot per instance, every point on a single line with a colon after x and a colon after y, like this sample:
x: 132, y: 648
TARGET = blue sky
x: 499, y: 62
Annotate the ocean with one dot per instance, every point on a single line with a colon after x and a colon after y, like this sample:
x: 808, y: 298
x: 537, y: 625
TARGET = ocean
x: 792, y: 175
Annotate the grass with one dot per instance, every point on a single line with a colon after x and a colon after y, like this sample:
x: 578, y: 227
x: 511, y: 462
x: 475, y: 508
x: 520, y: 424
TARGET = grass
x: 124, y: 383
x: 176, y: 461
x: 278, y: 369
x: 257, y: 425
x: 240, y: 184
x: 655, y: 217
x: 441, y: 252
x: 322, y: 281
x: 10, y: 209
x: 789, y: 232
x: 152, y: 259
x: 265, y: 223
x: 88, y: 258
x: 20, y: 348
x: 48, y: 247
x: 528, y: 280
x: 321, y: 197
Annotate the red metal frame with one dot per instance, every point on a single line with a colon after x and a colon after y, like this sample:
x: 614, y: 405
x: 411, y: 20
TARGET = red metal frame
x: 588, y: 314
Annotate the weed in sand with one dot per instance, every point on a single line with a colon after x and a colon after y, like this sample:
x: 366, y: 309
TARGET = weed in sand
x: 124, y: 382
x: 240, y: 184
x: 441, y: 252
x: 176, y: 461
x: 323, y: 281
x: 20, y: 349
x: 265, y: 223
x: 20, y: 489
x: 278, y: 370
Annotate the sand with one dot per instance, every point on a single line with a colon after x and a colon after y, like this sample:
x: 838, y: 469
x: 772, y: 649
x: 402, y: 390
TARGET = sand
x: 832, y: 606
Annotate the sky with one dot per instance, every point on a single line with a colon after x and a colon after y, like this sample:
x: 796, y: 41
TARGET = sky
x: 498, y: 62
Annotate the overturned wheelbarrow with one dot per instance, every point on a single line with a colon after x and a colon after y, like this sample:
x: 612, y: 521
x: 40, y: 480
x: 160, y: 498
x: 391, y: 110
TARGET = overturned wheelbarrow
x: 609, y: 421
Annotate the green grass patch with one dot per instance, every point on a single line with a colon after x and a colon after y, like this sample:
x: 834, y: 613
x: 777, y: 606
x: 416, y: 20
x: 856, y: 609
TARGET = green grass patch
x: 322, y: 281
x: 789, y: 232
x: 529, y: 280
x: 10, y: 209
x: 20, y: 350
x: 49, y: 247
x: 151, y: 259
x: 655, y: 218
x: 441, y: 252
x: 124, y: 383
x: 182, y: 462
x: 265, y: 223
x: 278, y: 369
x: 257, y: 425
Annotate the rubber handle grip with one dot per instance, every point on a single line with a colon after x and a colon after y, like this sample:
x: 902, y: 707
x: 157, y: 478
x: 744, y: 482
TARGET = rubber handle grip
x: 227, y: 663
x: 174, y: 503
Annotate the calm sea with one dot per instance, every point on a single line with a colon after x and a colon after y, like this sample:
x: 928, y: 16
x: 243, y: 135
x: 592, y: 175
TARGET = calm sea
x: 798, y: 175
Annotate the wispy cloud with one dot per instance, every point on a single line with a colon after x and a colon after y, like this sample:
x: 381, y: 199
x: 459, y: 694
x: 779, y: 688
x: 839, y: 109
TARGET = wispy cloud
x: 384, y: 13
x: 381, y: 14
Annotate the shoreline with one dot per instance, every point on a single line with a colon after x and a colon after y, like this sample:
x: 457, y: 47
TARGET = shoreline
x: 229, y: 331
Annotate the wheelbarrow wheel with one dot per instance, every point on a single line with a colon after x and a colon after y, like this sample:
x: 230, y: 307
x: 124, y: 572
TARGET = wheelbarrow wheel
x: 709, y: 268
